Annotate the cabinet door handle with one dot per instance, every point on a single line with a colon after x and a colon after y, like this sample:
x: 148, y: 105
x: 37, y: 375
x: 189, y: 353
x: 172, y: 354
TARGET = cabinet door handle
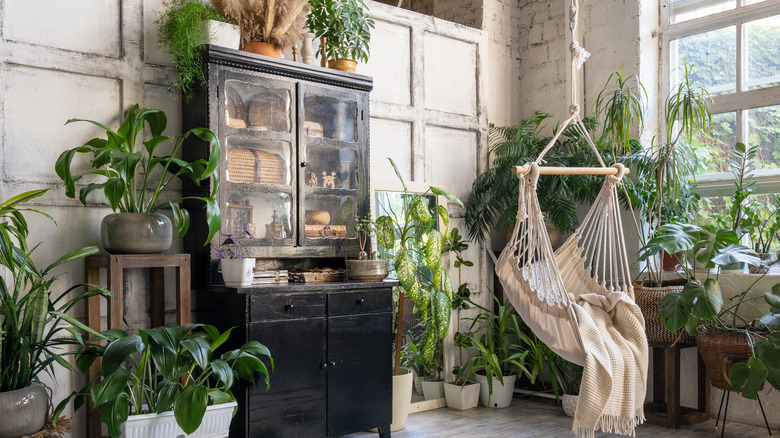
x: 323, y: 365
x: 304, y: 164
x: 331, y: 364
x: 288, y: 306
x: 361, y: 301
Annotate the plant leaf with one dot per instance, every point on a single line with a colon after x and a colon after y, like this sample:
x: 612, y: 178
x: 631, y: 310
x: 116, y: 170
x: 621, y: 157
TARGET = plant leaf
x: 448, y: 195
x: 118, y: 351
x: 115, y: 413
x: 190, y: 406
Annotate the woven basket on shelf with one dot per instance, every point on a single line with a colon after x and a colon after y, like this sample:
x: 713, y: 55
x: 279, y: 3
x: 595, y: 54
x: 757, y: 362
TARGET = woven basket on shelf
x: 648, y: 299
x: 719, y: 351
x: 254, y: 166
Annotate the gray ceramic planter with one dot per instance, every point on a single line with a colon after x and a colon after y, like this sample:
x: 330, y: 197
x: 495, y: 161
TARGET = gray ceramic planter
x: 23, y: 411
x: 136, y: 233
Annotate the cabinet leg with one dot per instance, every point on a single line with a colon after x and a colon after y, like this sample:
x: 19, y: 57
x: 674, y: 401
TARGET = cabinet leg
x: 384, y: 431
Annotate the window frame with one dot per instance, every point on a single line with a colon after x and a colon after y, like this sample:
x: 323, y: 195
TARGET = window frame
x: 722, y: 184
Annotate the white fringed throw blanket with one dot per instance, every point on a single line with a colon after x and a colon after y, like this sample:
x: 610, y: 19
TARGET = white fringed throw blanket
x: 613, y: 388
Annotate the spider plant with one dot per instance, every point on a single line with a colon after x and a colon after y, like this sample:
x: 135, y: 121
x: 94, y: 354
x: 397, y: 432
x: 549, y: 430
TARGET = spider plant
x: 620, y: 107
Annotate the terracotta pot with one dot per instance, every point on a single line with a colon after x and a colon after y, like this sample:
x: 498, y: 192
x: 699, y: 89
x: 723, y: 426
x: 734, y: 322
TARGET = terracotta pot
x: 347, y: 65
x: 266, y: 49
x: 24, y: 411
x: 136, y: 233
x: 668, y: 262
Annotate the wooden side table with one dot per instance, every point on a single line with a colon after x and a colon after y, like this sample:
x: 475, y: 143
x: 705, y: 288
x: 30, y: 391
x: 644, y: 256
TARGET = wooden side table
x: 115, y: 265
x: 665, y: 410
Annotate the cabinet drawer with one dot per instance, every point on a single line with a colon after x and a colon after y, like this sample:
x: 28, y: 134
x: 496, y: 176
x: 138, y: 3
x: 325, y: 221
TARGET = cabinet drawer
x: 356, y: 302
x: 290, y: 306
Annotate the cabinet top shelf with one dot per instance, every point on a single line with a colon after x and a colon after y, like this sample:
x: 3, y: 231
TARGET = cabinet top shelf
x: 282, y: 67
x: 304, y: 287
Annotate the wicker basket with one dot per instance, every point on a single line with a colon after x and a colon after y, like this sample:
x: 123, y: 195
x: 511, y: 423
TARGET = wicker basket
x: 649, y: 299
x: 719, y: 351
x: 234, y: 106
x: 254, y: 166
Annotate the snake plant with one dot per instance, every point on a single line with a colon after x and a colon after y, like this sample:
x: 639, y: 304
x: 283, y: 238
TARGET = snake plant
x: 31, y: 319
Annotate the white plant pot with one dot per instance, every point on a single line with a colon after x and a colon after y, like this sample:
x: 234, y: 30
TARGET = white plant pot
x: 223, y: 34
x: 433, y: 389
x: 402, y: 399
x: 238, y: 272
x: 502, y: 394
x: 215, y: 424
x: 462, y: 398
x: 569, y: 403
x: 418, y: 388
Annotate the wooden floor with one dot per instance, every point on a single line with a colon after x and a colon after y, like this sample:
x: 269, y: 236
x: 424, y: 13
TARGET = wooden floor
x: 537, y: 418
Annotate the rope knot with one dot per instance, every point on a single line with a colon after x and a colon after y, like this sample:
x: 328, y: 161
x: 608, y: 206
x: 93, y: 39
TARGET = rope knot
x: 621, y: 170
x: 574, y: 109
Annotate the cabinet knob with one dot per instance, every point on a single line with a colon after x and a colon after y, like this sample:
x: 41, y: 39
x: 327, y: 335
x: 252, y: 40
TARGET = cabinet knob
x: 323, y: 365
x: 288, y: 307
x: 361, y: 301
x: 331, y: 364
x: 304, y: 164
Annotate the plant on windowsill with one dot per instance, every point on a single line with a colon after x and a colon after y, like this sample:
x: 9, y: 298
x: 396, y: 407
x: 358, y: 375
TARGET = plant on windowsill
x: 165, y: 375
x: 416, y: 255
x: 267, y: 26
x: 136, y: 173
x: 497, y: 360
x: 185, y: 25
x: 32, y: 321
x: 346, y: 29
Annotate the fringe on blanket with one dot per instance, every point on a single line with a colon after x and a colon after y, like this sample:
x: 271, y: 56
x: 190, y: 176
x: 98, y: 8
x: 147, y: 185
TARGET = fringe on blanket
x: 610, y: 424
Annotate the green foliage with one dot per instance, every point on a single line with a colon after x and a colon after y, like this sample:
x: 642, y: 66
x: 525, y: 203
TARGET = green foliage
x: 620, y: 107
x: 490, y: 336
x: 136, y: 176
x: 165, y: 368
x: 346, y: 26
x: 410, y: 239
x: 181, y: 29
x: 31, y: 320
x: 494, y: 194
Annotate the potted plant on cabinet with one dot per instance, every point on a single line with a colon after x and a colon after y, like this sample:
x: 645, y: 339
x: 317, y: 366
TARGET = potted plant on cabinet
x: 168, y: 375
x: 31, y: 321
x: 346, y: 29
x: 267, y: 26
x: 368, y: 266
x: 183, y: 27
x: 462, y: 394
x: 497, y: 361
x: 136, y: 176
x: 237, y: 269
x: 411, y: 240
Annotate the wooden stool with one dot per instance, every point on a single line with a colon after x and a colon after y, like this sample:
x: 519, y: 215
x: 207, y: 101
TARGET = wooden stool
x: 665, y: 410
x: 115, y: 265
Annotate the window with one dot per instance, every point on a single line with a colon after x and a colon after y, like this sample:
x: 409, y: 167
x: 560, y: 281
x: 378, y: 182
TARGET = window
x: 734, y: 46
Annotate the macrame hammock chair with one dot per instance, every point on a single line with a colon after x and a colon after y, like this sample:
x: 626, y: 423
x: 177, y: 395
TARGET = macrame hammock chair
x: 579, y: 299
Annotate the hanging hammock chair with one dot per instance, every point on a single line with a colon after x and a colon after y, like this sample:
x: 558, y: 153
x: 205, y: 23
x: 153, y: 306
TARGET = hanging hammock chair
x: 579, y: 299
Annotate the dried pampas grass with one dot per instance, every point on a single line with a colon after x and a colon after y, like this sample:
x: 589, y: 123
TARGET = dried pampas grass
x: 279, y: 22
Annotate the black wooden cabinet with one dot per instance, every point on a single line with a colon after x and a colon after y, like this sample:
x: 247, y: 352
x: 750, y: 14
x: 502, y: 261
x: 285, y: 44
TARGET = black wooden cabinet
x: 294, y: 165
x: 331, y: 345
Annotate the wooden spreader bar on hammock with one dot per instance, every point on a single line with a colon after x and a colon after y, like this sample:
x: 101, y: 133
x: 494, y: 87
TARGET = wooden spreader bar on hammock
x: 547, y: 170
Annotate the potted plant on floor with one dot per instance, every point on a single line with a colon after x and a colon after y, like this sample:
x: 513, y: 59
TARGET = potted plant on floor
x: 136, y: 174
x: 346, y: 29
x: 31, y: 321
x: 497, y: 360
x: 182, y: 27
x: 410, y: 239
x: 267, y: 26
x: 166, y: 377
x: 462, y: 394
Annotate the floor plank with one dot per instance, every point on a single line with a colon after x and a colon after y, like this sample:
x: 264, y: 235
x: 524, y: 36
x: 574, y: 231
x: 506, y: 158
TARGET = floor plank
x: 538, y: 418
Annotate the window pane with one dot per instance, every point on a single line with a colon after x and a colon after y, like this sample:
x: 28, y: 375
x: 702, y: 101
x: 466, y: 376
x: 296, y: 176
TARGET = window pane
x: 764, y: 132
x: 689, y: 9
x: 762, y: 39
x: 751, y: 2
x: 712, y: 151
x: 713, y: 56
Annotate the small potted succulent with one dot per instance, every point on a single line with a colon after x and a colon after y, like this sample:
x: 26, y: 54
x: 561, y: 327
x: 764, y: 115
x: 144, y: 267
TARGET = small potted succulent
x: 167, y: 381
x: 237, y: 269
x: 136, y: 173
x: 185, y: 25
x: 368, y: 266
x: 345, y: 29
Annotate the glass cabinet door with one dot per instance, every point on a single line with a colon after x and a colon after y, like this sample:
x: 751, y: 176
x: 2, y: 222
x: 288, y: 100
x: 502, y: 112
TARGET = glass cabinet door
x: 257, y: 194
x: 330, y: 156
